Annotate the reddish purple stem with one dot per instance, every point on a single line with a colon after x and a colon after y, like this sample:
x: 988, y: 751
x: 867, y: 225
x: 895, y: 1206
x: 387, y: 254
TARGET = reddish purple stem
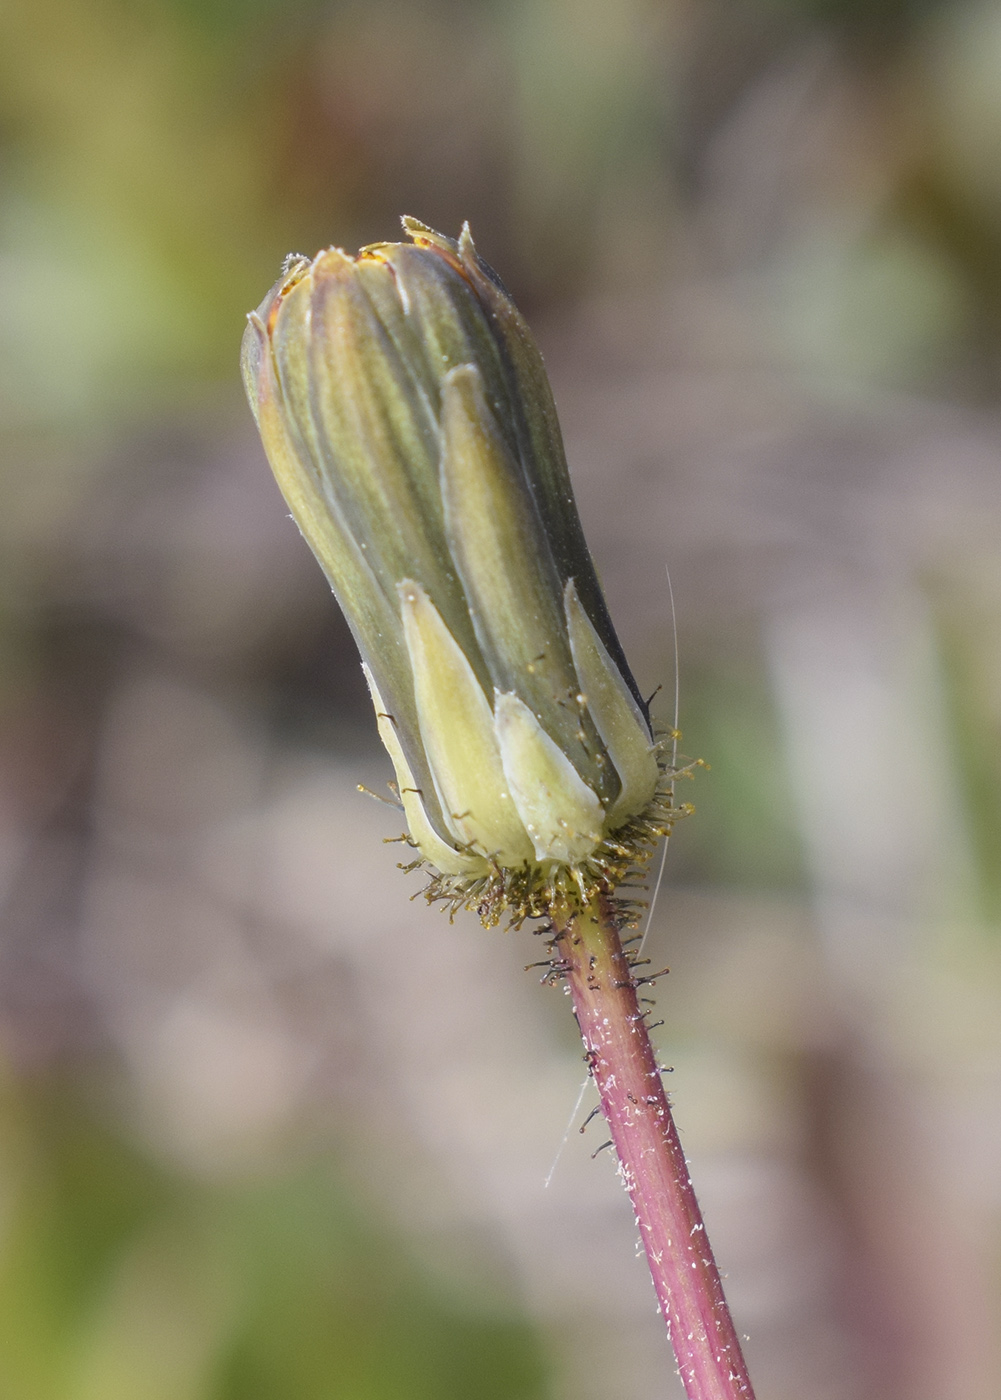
x: 652, y: 1161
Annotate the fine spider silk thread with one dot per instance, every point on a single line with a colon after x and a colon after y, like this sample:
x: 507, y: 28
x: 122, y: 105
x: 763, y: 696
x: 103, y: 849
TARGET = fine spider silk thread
x: 674, y: 759
x: 660, y: 870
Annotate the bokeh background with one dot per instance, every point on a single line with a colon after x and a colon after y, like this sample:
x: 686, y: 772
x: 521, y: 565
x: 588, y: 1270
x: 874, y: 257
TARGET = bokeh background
x: 269, y: 1131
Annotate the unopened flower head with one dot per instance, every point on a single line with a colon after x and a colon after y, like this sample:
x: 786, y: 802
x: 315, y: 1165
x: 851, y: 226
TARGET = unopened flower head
x: 407, y: 416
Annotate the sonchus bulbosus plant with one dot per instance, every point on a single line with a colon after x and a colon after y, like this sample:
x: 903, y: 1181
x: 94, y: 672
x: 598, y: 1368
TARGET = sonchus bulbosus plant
x: 408, y: 419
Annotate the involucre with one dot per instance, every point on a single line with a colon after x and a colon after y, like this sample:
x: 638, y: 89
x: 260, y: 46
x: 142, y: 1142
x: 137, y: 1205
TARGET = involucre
x: 406, y: 413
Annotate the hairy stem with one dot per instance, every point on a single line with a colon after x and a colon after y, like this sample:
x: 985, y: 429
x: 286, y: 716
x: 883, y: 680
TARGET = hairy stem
x: 651, y: 1159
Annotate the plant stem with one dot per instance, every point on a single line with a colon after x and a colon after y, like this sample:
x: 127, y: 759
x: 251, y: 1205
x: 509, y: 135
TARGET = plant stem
x: 651, y: 1159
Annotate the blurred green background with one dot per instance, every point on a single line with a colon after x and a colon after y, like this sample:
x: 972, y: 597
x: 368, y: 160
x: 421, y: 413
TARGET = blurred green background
x: 267, y: 1130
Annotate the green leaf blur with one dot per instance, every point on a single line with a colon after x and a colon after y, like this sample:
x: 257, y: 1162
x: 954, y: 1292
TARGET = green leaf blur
x: 120, y: 1278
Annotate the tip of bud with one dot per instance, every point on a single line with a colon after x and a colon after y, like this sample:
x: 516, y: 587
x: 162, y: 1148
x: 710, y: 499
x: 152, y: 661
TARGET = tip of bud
x: 423, y: 234
x: 333, y: 262
x: 467, y: 248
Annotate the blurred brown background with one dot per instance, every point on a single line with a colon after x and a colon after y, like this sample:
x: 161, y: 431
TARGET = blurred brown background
x: 267, y: 1130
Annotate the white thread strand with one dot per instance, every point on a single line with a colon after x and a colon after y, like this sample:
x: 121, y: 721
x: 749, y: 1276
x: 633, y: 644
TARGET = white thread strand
x: 566, y: 1135
x: 674, y: 761
x: 660, y: 870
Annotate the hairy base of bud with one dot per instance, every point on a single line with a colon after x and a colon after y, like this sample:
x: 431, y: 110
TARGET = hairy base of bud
x: 530, y: 891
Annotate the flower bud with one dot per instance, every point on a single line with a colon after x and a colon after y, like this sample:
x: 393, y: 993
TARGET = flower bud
x: 408, y: 419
